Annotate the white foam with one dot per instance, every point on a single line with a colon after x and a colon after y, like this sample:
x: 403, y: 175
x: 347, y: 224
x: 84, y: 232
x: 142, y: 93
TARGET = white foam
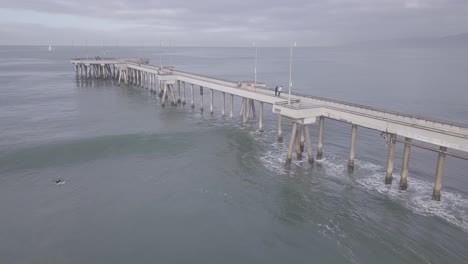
x: 273, y: 161
x: 453, y: 207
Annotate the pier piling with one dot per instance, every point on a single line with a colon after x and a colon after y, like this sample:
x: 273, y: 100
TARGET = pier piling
x: 310, y: 156
x: 302, y: 139
x: 164, y: 95
x: 439, y: 174
x: 231, y: 107
x: 192, y: 97
x: 183, y: 100
x: 351, y: 148
x: 244, y: 111
x: 201, y: 98
x: 298, y: 142
x: 260, y: 118
x: 320, y: 139
x: 292, y: 143
x: 223, y: 103
x: 391, y: 154
x: 280, y: 129
x: 404, y: 167
x: 211, y: 100
x: 179, y: 101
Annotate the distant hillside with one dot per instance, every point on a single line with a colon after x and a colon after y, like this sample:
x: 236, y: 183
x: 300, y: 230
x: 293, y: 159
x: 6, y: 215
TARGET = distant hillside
x: 458, y: 40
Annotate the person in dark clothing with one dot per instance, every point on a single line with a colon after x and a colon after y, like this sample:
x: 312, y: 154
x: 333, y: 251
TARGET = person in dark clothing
x: 276, y: 90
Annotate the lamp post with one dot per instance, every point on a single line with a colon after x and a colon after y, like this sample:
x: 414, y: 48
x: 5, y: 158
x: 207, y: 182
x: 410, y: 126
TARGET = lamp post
x: 290, y: 71
x: 160, y: 54
x: 255, y: 67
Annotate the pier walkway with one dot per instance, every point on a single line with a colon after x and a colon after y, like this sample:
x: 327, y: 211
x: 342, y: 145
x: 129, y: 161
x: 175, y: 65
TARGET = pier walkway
x: 302, y: 110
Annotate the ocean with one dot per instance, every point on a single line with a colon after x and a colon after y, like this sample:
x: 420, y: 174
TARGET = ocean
x: 146, y: 184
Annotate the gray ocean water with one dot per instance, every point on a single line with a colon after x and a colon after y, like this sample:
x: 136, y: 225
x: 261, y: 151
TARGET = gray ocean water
x: 145, y: 184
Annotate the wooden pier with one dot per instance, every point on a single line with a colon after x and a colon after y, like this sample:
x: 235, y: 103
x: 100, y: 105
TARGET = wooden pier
x: 302, y: 110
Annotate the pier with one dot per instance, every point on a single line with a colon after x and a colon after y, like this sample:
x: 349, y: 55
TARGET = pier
x: 174, y: 86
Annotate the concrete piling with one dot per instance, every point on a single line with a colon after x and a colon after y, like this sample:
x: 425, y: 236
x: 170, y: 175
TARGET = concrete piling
x: 192, y: 96
x: 179, y: 101
x: 404, y: 167
x: 231, y: 107
x: 298, y: 143
x: 310, y: 156
x: 201, y: 98
x: 241, y: 113
x: 252, y: 107
x: 439, y: 174
x: 245, y: 111
x: 320, y: 139
x: 280, y: 129
x: 183, y: 100
x: 211, y: 100
x: 351, y: 148
x: 260, y: 118
x: 174, y: 101
x: 223, y: 103
x: 164, y: 95
x: 391, y: 154
x: 302, y: 139
x: 291, y: 145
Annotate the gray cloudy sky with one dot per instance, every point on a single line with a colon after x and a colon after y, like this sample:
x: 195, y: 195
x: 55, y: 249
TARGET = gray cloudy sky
x: 226, y: 22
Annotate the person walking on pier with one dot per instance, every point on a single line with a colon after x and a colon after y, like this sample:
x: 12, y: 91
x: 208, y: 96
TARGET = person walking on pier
x: 279, y: 91
x: 276, y: 90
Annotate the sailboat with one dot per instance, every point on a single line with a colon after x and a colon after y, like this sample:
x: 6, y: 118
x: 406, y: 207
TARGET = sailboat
x: 50, y: 48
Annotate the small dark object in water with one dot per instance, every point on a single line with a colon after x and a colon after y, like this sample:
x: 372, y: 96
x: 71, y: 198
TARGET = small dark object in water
x: 58, y: 181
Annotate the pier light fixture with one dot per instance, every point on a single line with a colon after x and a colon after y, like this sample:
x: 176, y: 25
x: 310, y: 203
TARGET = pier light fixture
x: 293, y: 44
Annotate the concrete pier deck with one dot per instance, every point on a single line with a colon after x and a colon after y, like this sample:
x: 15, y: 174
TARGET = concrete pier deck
x: 302, y: 109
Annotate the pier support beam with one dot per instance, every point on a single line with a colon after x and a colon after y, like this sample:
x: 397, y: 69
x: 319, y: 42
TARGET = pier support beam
x: 298, y: 142
x: 404, y: 167
x: 310, y: 156
x: 351, y: 148
x: 280, y: 129
x: 201, y: 98
x: 164, y: 95
x: 391, y: 154
x: 244, y: 111
x: 320, y: 139
x: 292, y: 143
x: 439, y: 174
x: 178, y: 93
x: 260, y: 118
x: 223, y: 103
x: 192, y: 97
x: 252, y: 107
x: 241, y: 114
x: 231, y: 107
x: 183, y: 100
x: 302, y: 139
x: 211, y: 100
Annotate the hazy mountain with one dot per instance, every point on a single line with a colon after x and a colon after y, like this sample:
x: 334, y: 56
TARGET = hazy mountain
x: 458, y: 40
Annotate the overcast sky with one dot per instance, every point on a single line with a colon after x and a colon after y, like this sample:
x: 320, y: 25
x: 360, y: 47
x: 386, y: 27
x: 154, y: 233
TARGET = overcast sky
x: 226, y: 22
